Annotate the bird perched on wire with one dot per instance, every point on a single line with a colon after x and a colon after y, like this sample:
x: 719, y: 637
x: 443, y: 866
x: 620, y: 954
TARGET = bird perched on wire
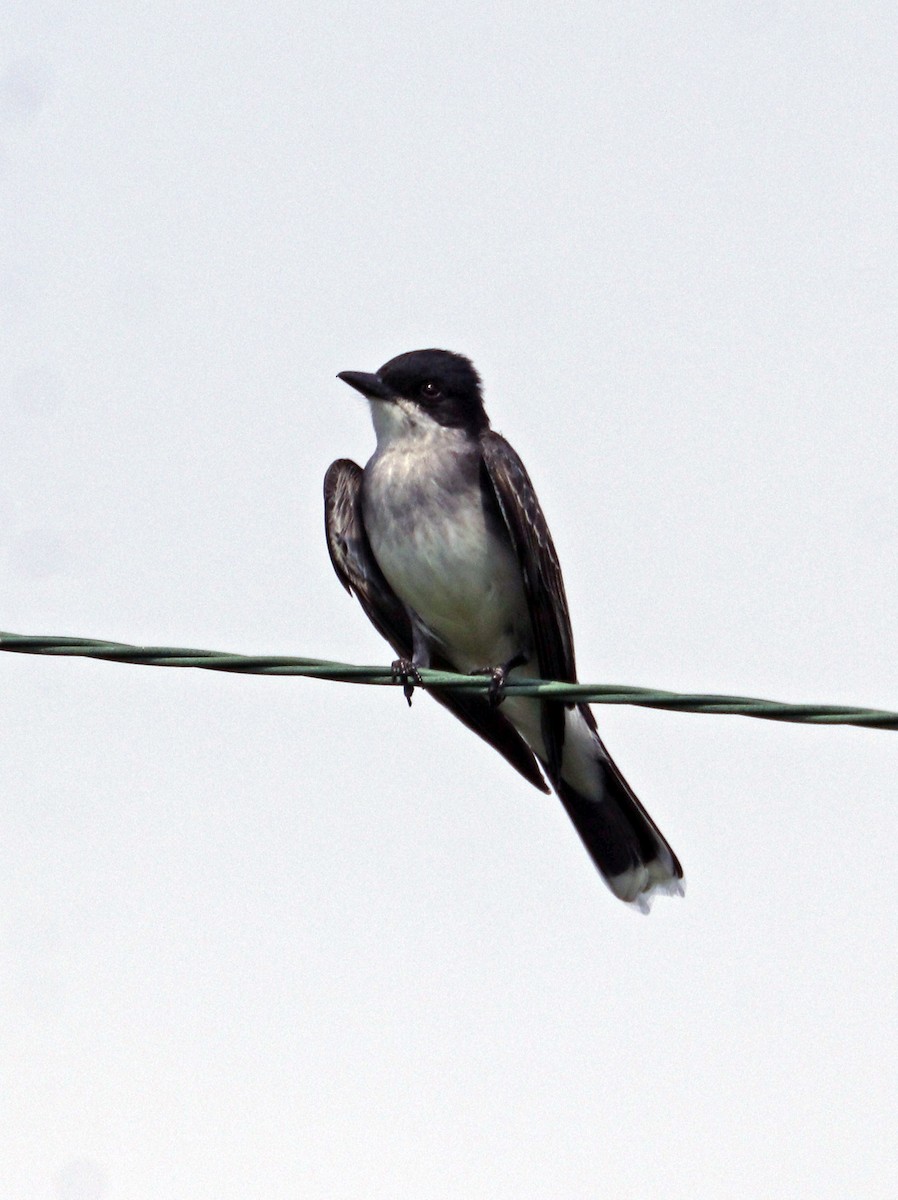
x: 443, y: 541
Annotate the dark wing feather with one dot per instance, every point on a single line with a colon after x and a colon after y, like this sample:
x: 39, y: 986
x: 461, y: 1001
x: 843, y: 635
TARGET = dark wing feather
x: 541, y: 571
x: 353, y: 560
x: 357, y: 570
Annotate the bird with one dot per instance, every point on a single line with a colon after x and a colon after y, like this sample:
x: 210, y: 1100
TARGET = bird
x: 442, y: 540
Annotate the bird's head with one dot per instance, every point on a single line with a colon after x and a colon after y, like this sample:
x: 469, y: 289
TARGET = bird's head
x: 423, y: 388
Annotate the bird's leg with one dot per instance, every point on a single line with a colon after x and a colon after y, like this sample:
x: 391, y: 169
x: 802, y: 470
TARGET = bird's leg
x: 499, y: 678
x: 405, y: 672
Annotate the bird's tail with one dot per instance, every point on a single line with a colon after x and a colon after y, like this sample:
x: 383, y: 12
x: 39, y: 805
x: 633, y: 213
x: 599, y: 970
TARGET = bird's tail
x: 623, y: 841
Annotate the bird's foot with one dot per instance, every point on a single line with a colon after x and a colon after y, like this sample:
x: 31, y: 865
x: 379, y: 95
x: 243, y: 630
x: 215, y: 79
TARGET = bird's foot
x: 499, y: 678
x: 404, y: 671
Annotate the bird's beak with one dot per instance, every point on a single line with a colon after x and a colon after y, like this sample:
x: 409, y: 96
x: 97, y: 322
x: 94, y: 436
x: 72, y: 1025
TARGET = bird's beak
x: 368, y: 385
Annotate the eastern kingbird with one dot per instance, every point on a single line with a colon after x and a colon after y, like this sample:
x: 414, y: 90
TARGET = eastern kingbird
x: 443, y: 541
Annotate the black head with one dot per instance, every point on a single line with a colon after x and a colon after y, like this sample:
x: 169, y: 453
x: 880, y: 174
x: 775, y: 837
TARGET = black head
x: 443, y: 384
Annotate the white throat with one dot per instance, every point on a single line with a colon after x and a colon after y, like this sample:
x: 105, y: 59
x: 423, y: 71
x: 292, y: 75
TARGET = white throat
x: 397, y: 421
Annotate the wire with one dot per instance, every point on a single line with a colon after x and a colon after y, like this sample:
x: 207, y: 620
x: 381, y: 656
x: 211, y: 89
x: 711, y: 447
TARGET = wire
x: 316, y: 668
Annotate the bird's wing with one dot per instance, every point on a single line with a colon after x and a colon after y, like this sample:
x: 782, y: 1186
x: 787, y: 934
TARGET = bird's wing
x: 520, y: 510
x: 357, y: 570
x: 351, y: 555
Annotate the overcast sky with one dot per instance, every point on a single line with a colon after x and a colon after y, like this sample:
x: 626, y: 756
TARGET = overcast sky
x: 267, y: 938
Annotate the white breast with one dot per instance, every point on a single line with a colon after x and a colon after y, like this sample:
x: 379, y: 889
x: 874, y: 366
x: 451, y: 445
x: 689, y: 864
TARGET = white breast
x: 437, y: 548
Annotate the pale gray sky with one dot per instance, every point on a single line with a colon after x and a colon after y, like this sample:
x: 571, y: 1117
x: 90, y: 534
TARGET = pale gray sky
x: 281, y: 938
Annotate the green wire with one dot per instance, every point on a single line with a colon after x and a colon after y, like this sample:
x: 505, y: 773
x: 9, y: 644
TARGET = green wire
x: 316, y: 668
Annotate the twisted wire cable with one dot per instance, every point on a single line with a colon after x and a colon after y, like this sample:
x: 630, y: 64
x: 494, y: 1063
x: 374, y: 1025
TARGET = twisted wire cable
x: 316, y: 668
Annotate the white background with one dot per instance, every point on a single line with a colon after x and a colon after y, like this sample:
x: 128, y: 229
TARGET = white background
x: 267, y: 938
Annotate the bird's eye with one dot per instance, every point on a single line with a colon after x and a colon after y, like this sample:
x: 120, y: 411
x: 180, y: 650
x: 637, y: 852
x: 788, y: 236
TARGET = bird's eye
x: 430, y: 389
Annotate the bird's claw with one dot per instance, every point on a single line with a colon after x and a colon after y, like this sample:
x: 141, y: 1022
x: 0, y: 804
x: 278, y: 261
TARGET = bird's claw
x: 496, y: 693
x: 499, y: 678
x: 404, y: 671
